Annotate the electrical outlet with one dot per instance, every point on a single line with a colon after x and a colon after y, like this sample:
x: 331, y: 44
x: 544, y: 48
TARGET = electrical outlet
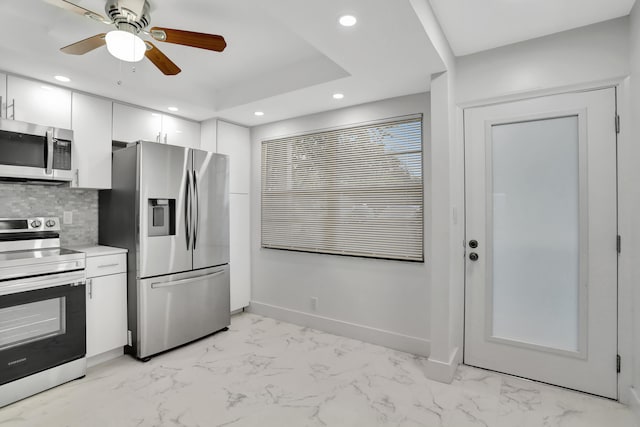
x: 314, y: 303
x: 67, y: 217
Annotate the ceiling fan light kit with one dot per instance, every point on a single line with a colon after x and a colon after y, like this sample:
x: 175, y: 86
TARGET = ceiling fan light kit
x: 125, y: 45
x: 131, y: 17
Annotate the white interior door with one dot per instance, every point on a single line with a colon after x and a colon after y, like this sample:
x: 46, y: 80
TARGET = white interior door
x: 541, y: 269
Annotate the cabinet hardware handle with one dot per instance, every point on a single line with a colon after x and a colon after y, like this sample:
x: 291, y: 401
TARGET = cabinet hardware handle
x: 5, y: 110
x: 115, y: 264
x: 158, y: 137
x: 90, y: 282
x: 13, y: 109
x: 165, y: 138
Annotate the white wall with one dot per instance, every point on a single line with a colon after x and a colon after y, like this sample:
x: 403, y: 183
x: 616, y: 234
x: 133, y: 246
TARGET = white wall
x: 630, y: 202
x: 375, y: 300
x: 588, y: 54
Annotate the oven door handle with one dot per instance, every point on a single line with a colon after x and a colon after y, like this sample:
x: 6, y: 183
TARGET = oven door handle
x: 41, y: 282
x: 54, y: 268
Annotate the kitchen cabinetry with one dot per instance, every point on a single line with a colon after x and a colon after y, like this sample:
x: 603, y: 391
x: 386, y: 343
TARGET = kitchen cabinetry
x: 37, y: 102
x: 3, y: 95
x: 133, y: 124
x: 106, y: 271
x: 181, y: 132
x: 91, y: 124
x: 235, y: 141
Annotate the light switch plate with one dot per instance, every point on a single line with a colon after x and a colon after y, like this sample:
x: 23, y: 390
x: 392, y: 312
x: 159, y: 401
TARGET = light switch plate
x: 67, y: 217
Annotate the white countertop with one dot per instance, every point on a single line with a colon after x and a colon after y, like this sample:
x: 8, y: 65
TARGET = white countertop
x: 98, y: 250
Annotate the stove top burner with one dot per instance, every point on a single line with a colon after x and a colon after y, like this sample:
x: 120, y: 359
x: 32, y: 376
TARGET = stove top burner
x: 31, y: 247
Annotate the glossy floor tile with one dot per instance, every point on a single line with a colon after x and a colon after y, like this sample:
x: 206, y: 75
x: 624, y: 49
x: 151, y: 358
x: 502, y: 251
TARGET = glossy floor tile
x: 268, y: 373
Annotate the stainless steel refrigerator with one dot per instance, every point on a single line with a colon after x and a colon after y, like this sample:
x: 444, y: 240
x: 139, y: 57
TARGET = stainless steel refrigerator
x: 169, y: 206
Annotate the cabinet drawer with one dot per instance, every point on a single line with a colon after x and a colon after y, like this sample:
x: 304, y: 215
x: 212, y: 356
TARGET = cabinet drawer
x: 105, y: 265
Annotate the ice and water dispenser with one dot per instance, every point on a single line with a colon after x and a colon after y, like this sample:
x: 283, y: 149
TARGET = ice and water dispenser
x: 162, y: 217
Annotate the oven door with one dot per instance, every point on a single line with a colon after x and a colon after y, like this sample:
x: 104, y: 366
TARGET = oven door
x: 42, y: 323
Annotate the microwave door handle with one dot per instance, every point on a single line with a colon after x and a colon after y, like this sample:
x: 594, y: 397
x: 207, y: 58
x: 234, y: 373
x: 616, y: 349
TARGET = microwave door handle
x: 49, y: 153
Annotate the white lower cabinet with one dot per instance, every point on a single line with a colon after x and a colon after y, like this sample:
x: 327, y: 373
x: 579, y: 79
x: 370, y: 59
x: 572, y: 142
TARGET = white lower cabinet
x: 106, y: 304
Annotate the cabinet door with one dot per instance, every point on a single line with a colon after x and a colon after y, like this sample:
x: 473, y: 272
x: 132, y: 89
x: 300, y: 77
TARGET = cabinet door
x: 40, y: 103
x: 91, y: 124
x: 239, y: 251
x: 132, y: 124
x: 184, y: 133
x: 3, y: 95
x: 106, y: 313
x: 235, y: 141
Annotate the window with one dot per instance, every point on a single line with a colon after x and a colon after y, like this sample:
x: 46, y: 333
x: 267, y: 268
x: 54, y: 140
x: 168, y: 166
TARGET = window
x: 349, y: 191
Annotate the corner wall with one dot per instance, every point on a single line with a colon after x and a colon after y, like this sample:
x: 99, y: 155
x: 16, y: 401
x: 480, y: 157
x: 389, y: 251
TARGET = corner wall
x: 380, y: 301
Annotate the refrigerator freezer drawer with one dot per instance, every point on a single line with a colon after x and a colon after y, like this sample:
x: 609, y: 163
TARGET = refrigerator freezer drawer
x: 179, y: 308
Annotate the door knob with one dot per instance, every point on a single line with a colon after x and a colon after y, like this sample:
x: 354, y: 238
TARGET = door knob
x: 473, y: 244
x: 473, y: 256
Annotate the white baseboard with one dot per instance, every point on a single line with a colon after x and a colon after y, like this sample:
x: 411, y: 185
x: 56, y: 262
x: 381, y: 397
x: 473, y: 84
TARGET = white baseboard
x: 442, y: 371
x: 105, y: 357
x: 634, y: 404
x: 368, y: 334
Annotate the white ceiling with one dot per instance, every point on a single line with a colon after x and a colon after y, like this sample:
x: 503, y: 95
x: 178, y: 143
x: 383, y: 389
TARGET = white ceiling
x: 475, y: 25
x: 283, y: 57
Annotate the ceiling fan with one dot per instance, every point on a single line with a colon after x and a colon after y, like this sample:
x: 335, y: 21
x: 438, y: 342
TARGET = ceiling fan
x: 130, y: 18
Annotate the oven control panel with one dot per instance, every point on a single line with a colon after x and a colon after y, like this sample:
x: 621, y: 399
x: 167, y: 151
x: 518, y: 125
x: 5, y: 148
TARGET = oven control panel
x: 29, y: 225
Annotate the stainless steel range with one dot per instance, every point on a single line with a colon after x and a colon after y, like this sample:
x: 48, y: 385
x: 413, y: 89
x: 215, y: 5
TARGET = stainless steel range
x: 42, y: 309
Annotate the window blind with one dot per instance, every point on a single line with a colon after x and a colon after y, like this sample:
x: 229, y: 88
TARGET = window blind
x: 350, y: 191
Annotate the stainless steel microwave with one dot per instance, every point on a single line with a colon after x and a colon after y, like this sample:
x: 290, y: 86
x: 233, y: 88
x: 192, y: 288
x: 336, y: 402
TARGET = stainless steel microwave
x: 35, y: 152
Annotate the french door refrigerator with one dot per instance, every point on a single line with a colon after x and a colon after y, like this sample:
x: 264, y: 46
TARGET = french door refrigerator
x: 169, y: 206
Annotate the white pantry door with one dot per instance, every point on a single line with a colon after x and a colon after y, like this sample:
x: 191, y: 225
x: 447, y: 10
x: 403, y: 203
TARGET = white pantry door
x: 541, y: 267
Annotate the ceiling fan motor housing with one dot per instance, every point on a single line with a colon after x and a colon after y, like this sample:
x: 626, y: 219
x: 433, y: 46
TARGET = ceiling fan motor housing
x: 126, y: 19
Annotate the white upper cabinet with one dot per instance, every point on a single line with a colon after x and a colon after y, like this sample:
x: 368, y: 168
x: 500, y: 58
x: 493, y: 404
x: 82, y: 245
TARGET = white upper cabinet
x: 91, y: 124
x: 132, y: 124
x: 39, y: 103
x: 181, y: 132
x: 235, y: 141
x: 3, y: 95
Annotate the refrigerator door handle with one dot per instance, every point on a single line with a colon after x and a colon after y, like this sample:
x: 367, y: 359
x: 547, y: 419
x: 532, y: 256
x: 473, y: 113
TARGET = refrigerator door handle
x: 157, y: 285
x: 196, y: 225
x: 187, y: 213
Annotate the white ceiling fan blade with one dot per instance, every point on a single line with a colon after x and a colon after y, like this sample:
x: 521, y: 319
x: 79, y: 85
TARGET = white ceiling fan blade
x: 72, y: 7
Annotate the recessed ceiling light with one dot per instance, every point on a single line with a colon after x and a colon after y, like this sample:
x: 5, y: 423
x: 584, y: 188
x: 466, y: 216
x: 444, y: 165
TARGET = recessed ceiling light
x: 46, y: 87
x: 348, y: 20
x: 62, y: 79
x: 155, y: 114
x: 259, y: 113
x: 338, y: 96
x: 172, y: 108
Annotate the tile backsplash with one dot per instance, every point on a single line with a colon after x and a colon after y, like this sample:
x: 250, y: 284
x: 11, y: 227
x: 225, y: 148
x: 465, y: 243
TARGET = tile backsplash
x: 26, y: 200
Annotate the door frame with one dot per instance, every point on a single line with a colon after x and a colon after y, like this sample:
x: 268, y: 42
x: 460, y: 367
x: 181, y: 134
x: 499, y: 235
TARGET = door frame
x: 624, y: 172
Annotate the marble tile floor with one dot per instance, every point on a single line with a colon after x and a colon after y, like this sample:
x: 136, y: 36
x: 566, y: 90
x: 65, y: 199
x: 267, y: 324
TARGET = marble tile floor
x: 264, y: 373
